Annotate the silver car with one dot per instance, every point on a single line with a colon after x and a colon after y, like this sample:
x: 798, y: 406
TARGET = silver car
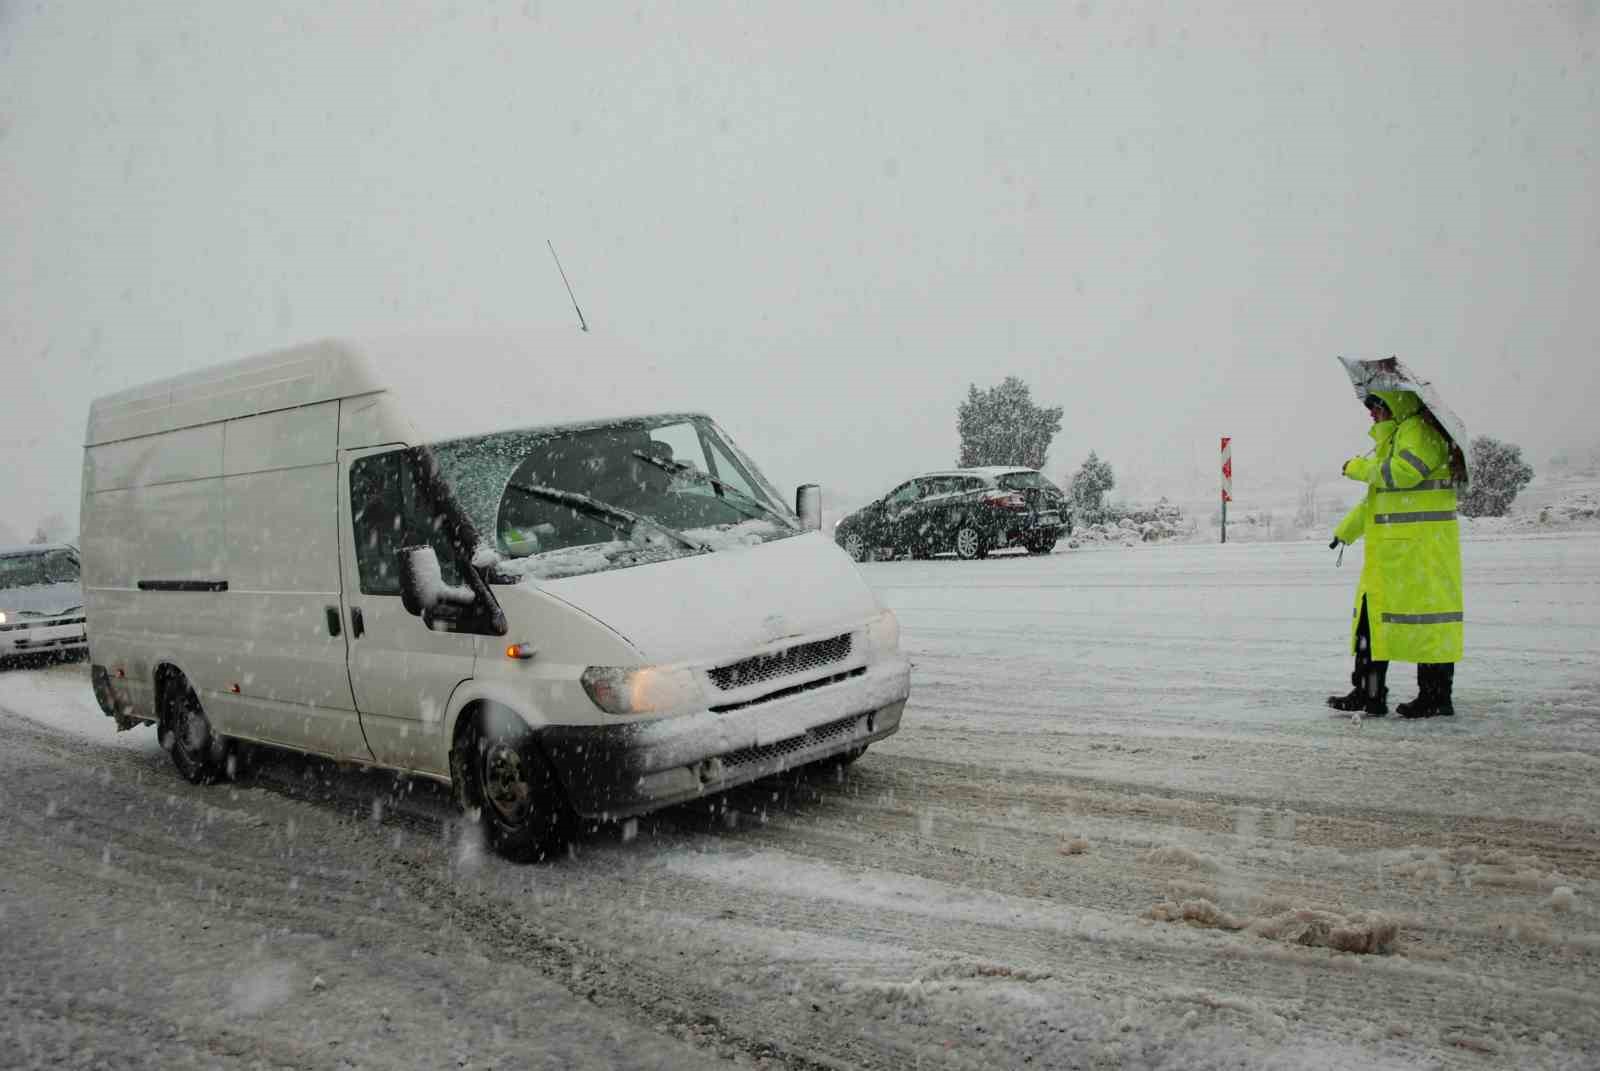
x: 41, y: 602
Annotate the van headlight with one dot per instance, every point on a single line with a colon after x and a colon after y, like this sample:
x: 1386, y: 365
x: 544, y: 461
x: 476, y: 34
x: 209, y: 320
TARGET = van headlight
x: 883, y: 632
x: 640, y: 689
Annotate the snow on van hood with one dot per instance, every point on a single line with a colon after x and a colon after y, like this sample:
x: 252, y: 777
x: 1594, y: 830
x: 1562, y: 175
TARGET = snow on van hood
x: 43, y: 599
x: 710, y: 606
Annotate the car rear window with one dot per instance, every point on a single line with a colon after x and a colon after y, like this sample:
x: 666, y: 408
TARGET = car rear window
x: 1026, y: 481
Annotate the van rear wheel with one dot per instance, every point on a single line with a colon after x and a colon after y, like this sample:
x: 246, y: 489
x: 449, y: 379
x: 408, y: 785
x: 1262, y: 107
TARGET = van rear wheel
x: 198, y: 752
x: 508, y: 782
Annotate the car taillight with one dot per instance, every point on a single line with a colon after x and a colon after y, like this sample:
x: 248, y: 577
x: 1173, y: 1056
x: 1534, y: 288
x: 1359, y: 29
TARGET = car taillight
x: 1004, y: 500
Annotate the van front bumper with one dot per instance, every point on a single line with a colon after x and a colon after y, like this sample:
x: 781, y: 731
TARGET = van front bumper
x: 613, y: 772
x: 30, y: 639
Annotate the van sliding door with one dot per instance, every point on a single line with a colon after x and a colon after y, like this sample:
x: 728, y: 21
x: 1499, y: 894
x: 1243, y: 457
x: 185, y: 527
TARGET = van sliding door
x: 278, y: 670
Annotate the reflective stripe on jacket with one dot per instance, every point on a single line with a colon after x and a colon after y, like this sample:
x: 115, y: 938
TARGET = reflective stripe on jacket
x: 1411, y: 575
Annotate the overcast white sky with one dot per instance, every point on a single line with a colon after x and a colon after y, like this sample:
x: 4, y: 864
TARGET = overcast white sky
x: 1166, y: 218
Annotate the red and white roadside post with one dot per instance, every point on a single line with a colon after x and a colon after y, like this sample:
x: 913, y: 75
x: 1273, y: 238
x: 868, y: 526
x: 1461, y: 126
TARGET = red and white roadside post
x: 1227, y: 481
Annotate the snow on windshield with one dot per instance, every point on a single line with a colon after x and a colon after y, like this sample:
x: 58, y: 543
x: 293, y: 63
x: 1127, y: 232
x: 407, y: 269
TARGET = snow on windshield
x: 559, y: 502
x: 650, y: 547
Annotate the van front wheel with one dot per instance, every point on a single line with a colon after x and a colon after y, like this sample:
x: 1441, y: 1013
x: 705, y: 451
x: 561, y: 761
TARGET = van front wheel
x: 507, y: 781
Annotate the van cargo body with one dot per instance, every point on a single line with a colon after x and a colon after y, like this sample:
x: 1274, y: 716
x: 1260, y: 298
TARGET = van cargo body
x: 553, y: 592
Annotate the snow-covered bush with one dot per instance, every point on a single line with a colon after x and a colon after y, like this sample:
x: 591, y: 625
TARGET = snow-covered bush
x: 1136, y: 524
x: 1582, y: 506
x: 1498, y: 474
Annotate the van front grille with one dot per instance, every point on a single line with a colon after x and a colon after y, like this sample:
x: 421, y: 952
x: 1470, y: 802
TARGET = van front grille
x: 807, y: 740
x: 784, y: 663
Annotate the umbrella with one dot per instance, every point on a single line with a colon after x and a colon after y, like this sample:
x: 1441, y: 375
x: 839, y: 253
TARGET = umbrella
x: 1390, y: 373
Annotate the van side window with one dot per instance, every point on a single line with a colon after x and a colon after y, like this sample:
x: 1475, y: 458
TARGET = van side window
x: 425, y: 522
x: 390, y: 510
x: 378, y: 513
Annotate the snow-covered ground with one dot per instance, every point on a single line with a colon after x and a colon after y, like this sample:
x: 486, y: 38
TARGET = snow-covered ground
x: 1117, y: 829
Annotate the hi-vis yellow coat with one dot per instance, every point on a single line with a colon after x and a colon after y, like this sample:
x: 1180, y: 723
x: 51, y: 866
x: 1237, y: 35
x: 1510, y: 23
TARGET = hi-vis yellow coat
x: 1411, y: 577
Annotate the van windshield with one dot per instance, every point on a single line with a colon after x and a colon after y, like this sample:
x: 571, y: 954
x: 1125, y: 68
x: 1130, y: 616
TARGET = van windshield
x: 564, y: 501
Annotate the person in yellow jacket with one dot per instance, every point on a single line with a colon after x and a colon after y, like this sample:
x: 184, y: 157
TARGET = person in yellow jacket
x: 1408, y: 603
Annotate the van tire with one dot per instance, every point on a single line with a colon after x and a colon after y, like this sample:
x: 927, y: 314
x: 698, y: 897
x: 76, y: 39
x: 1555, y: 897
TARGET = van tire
x: 197, y: 750
x: 507, y: 783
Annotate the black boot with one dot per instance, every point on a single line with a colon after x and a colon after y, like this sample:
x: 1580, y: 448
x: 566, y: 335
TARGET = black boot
x: 1358, y: 693
x: 1369, y: 696
x: 1347, y: 703
x: 1435, y: 682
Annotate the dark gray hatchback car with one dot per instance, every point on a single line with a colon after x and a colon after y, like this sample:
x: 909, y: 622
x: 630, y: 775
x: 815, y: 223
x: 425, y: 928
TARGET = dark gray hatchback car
x: 967, y: 511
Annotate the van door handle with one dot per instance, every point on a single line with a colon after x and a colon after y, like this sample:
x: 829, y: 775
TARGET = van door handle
x: 357, y: 627
x: 333, y: 620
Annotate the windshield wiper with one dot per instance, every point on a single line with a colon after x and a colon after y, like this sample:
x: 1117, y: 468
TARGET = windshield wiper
x: 683, y: 468
x: 605, y: 512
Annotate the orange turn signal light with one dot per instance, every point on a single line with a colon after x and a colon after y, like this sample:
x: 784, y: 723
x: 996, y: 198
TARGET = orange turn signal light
x: 520, y: 650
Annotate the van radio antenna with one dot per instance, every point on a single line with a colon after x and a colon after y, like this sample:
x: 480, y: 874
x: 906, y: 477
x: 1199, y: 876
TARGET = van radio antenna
x: 581, y: 321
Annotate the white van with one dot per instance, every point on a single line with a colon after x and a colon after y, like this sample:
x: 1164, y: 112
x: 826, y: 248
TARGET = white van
x: 453, y: 558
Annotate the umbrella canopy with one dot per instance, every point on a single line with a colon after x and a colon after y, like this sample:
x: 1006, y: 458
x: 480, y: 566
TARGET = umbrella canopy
x: 1390, y: 373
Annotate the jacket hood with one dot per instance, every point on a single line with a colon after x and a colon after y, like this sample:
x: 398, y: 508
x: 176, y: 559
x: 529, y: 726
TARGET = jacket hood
x: 1401, y: 403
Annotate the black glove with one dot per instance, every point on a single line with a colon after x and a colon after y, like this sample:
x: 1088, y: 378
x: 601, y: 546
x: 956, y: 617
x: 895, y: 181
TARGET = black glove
x: 1335, y: 543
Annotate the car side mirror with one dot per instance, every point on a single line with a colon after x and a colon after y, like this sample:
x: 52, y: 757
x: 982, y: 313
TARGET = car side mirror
x: 808, y: 506
x: 422, y: 587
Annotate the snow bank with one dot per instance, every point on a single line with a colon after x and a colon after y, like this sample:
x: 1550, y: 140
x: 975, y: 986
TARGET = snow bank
x: 1366, y: 932
x: 1162, y: 522
x: 1176, y: 855
x: 60, y: 697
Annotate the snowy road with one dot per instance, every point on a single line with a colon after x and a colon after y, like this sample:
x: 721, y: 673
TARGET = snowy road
x: 1118, y: 829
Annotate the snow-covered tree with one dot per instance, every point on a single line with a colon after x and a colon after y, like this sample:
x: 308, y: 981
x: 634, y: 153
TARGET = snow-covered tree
x: 1087, y: 489
x: 1003, y: 426
x: 1498, y: 474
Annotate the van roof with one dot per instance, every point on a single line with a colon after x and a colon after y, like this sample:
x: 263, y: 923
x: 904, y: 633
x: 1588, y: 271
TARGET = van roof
x: 446, y: 385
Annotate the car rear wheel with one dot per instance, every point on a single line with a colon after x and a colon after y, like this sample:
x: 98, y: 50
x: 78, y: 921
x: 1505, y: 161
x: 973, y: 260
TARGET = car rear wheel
x: 1042, y: 545
x: 970, y: 543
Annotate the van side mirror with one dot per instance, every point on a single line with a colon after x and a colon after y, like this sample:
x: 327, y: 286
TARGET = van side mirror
x: 808, y: 506
x: 422, y: 586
